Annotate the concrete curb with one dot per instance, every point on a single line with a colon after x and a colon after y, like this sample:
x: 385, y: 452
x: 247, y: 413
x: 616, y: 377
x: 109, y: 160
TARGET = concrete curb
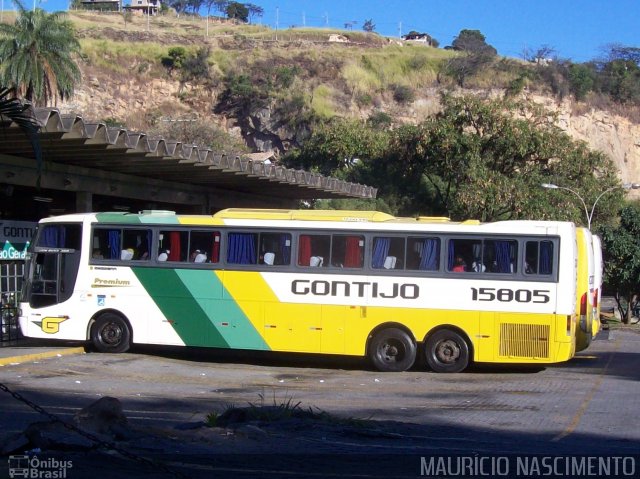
x: 25, y: 358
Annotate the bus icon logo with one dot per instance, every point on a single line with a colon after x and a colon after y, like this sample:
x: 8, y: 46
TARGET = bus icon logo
x: 18, y: 466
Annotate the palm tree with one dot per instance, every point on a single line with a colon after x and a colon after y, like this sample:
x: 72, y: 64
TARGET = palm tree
x: 12, y: 110
x: 36, y: 55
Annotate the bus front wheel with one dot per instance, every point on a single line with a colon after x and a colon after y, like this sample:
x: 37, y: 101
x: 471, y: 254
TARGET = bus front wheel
x: 392, y: 350
x: 111, y: 334
x: 447, y: 352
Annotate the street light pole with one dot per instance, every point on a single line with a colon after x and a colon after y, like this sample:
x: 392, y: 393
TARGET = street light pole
x: 589, y: 214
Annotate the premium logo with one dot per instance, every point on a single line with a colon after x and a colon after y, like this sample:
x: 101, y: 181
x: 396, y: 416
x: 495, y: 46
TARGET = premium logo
x: 110, y: 283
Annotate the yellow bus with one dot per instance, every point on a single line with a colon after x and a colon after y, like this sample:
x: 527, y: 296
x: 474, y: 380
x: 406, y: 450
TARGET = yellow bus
x: 585, y: 281
x: 399, y: 291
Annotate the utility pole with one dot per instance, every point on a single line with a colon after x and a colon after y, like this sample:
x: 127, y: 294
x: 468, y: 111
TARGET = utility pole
x: 304, y: 20
x: 400, y: 28
x: 326, y: 19
x: 277, y: 21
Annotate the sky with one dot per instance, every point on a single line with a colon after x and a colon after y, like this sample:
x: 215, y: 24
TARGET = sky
x: 577, y: 29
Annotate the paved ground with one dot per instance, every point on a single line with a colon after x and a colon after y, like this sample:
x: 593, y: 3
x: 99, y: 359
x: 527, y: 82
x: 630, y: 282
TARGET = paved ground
x: 588, y: 406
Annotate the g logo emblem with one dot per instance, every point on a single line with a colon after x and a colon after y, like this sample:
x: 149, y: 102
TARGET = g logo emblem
x: 52, y: 325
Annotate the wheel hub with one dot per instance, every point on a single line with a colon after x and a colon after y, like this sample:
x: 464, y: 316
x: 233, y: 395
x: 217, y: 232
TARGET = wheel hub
x: 448, y: 351
x: 111, y: 333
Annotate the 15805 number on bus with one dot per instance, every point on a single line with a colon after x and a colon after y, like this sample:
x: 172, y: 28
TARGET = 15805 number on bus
x: 507, y: 295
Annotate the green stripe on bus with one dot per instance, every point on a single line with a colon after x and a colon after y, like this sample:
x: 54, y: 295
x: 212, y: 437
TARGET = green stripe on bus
x: 214, y: 318
x: 178, y: 305
x: 124, y: 218
x: 222, y: 309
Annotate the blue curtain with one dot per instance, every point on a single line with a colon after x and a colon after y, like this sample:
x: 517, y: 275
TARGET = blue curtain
x: 380, y: 251
x: 451, y: 257
x: 285, y: 248
x: 114, y: 244
x: 53, y: 236
x: 430, y: 253
x: 546, y: 257
x: 241, y: 249
x: 503, y: 256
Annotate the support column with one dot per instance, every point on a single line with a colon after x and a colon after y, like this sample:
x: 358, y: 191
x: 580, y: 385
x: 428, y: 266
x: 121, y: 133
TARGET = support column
x: 84, y: 202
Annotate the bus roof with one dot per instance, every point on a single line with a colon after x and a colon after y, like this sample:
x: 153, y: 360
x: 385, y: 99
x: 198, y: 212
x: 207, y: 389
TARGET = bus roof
x: 285, y: 218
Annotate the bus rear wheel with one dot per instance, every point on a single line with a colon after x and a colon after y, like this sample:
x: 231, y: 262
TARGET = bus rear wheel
x: 111, y: 334
x: 447, y: 352
x: 392, y: 350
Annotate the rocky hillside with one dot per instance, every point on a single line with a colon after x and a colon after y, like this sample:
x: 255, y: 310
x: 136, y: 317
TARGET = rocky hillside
x: 124, y: 82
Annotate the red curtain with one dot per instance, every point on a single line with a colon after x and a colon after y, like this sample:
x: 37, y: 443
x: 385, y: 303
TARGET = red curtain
x: 174, y: 250
x: 304, y: 250
x: 215, y: 251
x: 352, y: 252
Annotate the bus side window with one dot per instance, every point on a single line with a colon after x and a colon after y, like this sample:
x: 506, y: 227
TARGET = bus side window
x: 423, y: 254
x: 207, y: 244
x: 462, y: 253
x: 501, y: 256
x: 275, y: 248
x: 138, y: 242
x: 173, y: 245
x: 242, y: 248
x: 347, y: 251
x: 313, y: 250
x: 388, y: 253
x: 538, y: 257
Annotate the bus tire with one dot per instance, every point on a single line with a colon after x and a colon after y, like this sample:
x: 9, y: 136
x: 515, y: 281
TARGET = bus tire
x: 447, y: 352
x: 111, y: 334
x: 392, y: 350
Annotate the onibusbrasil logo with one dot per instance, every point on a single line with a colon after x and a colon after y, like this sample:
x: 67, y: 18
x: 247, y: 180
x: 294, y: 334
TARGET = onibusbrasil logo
x: 38, y: 468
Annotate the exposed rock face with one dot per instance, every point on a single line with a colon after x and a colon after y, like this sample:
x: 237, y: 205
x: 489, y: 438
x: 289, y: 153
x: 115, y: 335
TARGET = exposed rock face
x: 129, y: 100
x: 614, y: 135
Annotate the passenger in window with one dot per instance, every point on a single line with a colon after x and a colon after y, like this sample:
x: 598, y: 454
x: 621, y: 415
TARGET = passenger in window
x: 97, y: 254
x: 459, y: 266
x: 529, y: 266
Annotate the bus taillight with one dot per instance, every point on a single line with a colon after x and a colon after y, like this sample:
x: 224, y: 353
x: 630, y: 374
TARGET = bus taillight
x: 583, y: 305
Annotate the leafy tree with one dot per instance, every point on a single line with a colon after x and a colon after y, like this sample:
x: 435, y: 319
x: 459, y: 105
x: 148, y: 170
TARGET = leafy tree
x: 479, y: 55
x: 581, y: 80
x: 621, y: 246
x: 472, y: 41
x: 180, y: 6
x: 621, y: 80
x: 254, y: 10
x: 486, y: 159
x: 36, y: 55
x: 174, y: 58
x: 624, y: 53
x: 369, y: 26
x: 195, y: 67
x: 221, y: 5
x: 337, y: 147
x: 237, y: 11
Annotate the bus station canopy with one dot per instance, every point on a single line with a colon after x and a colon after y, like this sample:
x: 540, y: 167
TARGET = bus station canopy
x: 70, y: 140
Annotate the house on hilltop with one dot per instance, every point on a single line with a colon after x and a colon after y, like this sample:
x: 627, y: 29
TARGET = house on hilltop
x: 420, y: 39
x: 144, y: 7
